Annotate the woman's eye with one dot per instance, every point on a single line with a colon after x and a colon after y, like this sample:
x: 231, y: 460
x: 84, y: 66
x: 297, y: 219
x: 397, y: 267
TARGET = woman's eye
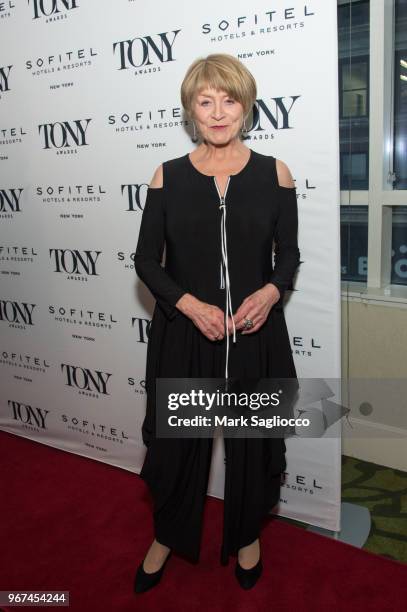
x: 230, y: 100
x: 205, y: 102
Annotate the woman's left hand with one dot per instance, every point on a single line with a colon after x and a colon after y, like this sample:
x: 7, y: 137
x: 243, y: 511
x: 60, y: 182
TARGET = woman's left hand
x: 256, y: 307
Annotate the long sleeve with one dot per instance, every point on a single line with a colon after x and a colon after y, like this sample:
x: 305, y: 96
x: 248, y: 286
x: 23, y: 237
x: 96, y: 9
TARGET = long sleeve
x: 287, y: 254
x: 149, y: 252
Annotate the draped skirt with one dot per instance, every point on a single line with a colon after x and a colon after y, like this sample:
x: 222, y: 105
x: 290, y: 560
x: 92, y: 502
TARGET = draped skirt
x: 176, y: 470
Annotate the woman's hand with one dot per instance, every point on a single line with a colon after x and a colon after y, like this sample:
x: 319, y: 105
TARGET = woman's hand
x: 256, y: 307
x: 209, y: 319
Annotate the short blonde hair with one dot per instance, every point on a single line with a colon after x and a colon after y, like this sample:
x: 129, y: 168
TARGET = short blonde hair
x: 222, y: 72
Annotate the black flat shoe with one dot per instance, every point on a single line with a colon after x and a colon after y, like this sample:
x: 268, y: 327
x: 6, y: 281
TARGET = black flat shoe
x: 144, y: 581
x: 247, y: 578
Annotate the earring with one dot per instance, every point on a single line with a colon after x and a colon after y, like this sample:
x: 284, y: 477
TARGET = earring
x: 244, y: 129
x: 194, y: 137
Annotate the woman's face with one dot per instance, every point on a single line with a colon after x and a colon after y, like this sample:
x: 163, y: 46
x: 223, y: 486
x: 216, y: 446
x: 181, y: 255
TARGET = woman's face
x: 218, y: 117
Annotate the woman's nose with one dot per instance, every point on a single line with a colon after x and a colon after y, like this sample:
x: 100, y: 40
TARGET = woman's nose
x: 217, y: 111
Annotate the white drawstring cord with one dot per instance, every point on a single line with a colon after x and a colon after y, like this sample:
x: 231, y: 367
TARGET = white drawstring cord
x: 228, y: 310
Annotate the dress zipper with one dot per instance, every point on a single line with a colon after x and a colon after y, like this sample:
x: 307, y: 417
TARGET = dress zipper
x: 224, y: 264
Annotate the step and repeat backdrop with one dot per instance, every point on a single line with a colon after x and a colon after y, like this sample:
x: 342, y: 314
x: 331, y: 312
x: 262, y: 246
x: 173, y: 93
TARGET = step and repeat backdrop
x: 89, y: 107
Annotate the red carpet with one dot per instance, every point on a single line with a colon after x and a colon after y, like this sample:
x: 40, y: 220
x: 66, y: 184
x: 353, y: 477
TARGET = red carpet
x: 75, y: 524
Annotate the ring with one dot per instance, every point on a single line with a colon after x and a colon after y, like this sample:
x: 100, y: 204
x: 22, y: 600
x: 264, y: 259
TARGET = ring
x: 248, y: 324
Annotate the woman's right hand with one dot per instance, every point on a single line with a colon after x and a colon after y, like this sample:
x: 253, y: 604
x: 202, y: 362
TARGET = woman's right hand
x: 208, y: 318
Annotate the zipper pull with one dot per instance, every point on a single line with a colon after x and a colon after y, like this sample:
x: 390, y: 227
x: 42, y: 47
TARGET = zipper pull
x: 222, y: 278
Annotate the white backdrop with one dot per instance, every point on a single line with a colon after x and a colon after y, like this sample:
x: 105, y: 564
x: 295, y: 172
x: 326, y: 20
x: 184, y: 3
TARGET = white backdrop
x: 90, y: 106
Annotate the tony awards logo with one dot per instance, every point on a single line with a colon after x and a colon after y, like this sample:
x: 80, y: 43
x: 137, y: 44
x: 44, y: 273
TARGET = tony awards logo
x: 4, y: 79
x: 51, y: 8
x: 78, y: 265
x: 86, y: 381
x: 145, y: 51
x: 136, y: 196
x: 10, y: 201
x: 16, y: 314
x: 64, y: 136
x: 28, y: 415
x: 142, y: 327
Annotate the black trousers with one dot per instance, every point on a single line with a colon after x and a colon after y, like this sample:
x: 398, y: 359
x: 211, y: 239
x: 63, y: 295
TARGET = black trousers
x: 177, y: 473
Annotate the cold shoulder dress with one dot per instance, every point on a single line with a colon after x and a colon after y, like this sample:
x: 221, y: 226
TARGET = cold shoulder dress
x: 217, y: 249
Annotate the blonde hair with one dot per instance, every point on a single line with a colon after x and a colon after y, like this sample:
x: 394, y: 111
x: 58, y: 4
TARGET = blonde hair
x: 222, y: 72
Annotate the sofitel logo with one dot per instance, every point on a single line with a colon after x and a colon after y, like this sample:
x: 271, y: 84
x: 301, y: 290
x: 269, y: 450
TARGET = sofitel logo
x: 139, y: 386
x: 51, y: 63
x: 16, y: 313
x: 28, y: 414
x: 305, y: 346
x: 46, y: 8
x: 71, y: 201
x: 64, y: 134
x: 11, y: 135
x: 73, y: 261
x: 22, y: 360
x: 299, y: 483
x: 137, y: 52
x: 5, y: 6
x: 147, y: 120
x: 98, y: 430
x: 10, y: 200
x: 127, y: 258
x: 81, y: 316
x: 136, y: 196
x: 4, y: 75
x: 17, y: 253
x: 85, y: 380
x: 258, y: 23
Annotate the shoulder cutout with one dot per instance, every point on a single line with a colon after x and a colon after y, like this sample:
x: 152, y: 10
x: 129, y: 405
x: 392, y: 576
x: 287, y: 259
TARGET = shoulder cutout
x: 158, y: 178
x: 284, y: 175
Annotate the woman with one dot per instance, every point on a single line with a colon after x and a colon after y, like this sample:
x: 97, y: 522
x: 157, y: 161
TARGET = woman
x: 217, y: 210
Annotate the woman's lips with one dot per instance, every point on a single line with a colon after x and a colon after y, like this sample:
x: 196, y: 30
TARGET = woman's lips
x: 218, y: 127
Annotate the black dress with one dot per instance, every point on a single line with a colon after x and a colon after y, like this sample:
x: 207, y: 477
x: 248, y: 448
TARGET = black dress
x: 186, y: 215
